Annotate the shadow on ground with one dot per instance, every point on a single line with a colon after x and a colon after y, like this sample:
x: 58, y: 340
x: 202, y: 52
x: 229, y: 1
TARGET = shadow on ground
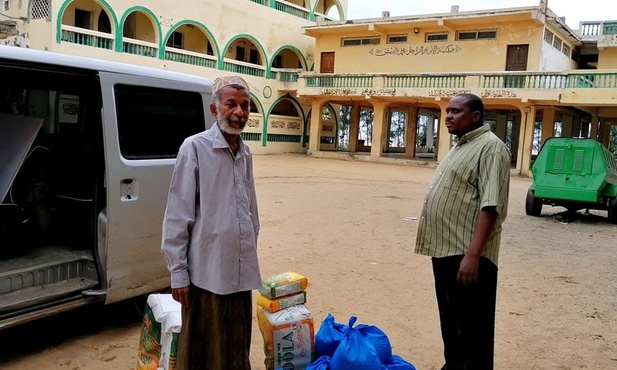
x: 38, y: 335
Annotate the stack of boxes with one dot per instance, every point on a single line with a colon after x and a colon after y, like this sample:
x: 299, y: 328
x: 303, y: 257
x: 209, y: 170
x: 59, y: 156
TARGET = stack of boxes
x: 285, y: 323
x: 282, y: 291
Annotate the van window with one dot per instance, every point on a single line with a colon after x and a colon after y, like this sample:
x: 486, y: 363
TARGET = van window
x: 153, y: 122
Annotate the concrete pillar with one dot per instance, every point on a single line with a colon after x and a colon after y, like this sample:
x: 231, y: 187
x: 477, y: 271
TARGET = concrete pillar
x: 604, y: 134
x: 576, y: 126
x: 514, y: 140
x: 523, y: 162
x: 354, y: 127
x: 380, y: 131
x: 566, y: 126
x: 430, y: 132
x: 411, y: 131
x: 444, y: 139
x: 502, y: 127
x: 595, y: 122
x: 548, y: 124
x: 315, y: 131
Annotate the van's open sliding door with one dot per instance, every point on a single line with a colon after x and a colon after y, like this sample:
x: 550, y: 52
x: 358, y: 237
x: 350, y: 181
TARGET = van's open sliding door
x: 145, y: 120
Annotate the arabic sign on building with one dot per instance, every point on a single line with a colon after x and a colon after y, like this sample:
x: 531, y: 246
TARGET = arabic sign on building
x: 415, y: 50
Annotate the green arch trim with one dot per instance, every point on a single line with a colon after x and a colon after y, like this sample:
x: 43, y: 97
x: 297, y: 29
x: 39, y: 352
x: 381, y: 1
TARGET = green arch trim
x: 298, y: 106
x: 263, y: 117
x: 333, y: 113
x: 255, y: 41
x: 294, y: 49
x: 341, y: 13
x: 182, y: 23
x: 304, y: 128
x: 129, y: 11
x: 308, y: 115
x: 103, y: 4
x: 295, y: 102
x: 256, y: 100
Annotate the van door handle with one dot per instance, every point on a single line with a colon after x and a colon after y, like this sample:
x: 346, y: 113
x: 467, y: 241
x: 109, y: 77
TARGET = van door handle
x: 129, y: 190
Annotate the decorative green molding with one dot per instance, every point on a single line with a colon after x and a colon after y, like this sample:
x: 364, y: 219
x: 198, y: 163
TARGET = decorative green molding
x: 298, y: 106
x: 103, y: 4
x: 292, y: 48
x: 263, y: 117
x: 153, y: 18
x: 341, y: 13
x: 255, y: 41
x: 181, y: 23
x: 308, y: 117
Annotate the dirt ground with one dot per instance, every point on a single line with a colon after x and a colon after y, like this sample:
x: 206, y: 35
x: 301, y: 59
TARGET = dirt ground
x: 350, y: 228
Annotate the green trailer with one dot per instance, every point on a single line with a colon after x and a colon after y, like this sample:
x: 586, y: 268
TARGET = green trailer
x: 575, y: 174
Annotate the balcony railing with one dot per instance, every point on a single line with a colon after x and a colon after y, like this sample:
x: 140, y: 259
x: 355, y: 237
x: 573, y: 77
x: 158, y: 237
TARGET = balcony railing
x: 285, y: 74
x: 190, y: 57
x: 522, y: 81
x: 261, y: 2
x: 495, y: 80
x: 138, y: 47
x: 322, y: 19
x: 292, y: 9
x: 551, y: 81
x: 421, y: 81
x: 339, y: 81
x: 244, y: 68
x: 592, y: 30
x: 82, y: 36
x: 596, y: 80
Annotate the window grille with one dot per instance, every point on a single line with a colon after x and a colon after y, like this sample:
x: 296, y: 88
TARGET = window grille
x: 476, y: 35
x: 360, y: 41
x: 566, y: 50
x: 436, y: 36
x: 395, y: 39
x: 40, y: 9
x: 548, y: 36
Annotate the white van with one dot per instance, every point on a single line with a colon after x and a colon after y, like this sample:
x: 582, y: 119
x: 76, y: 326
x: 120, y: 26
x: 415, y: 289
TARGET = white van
x: 87, y: 149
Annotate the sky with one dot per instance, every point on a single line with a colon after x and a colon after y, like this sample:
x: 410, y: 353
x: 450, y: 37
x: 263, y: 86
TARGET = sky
x: 574, y: 10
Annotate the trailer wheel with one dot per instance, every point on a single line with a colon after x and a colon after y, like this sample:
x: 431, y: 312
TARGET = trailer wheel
x: 533, y: 205
x: 612, y: 211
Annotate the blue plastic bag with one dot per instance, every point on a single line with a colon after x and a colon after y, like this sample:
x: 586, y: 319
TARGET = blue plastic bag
x: 322, y: 363
x: 355, y: 352
x: 378, y: 339
x: 398, y: 363
x: 328, y: 337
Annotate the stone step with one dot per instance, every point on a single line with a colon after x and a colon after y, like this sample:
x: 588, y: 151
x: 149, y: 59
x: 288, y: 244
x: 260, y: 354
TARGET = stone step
x: 38, y: 295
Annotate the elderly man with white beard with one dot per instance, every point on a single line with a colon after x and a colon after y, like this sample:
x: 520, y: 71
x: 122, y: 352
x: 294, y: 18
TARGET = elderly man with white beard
x: 210, y: 232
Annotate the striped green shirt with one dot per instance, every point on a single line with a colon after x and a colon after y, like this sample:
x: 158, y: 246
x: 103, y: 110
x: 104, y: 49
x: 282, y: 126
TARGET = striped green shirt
x: 475, y: 174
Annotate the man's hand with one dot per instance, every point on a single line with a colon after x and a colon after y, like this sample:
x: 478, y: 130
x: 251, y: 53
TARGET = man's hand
x: 468, y: 270
x: 181, y: 295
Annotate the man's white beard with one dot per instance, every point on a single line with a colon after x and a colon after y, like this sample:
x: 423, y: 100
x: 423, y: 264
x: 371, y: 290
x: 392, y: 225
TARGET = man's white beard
x: 227, y: 128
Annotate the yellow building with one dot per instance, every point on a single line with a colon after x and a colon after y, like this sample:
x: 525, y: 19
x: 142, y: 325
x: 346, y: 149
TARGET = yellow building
x: 262, y: 40
x: 392, y: 78
x: 385, y: 82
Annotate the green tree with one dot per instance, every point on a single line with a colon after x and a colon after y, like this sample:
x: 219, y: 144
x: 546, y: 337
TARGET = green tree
x: 343, y: 128
x: 612, y: 143
x: 398, y: 121
x: 366, y: 126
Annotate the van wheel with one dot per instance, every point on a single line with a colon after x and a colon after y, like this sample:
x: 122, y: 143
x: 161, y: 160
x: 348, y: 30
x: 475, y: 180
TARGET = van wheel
x: 533, y: 205
x: 612, y: 211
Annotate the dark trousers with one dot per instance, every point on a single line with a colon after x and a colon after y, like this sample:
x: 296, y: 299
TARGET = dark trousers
x: 466, y: 314
x: 216, y: 331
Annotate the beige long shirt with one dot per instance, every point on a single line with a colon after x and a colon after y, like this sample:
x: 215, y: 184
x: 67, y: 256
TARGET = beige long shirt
x: 211, y: 223
x: 475, y: 174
